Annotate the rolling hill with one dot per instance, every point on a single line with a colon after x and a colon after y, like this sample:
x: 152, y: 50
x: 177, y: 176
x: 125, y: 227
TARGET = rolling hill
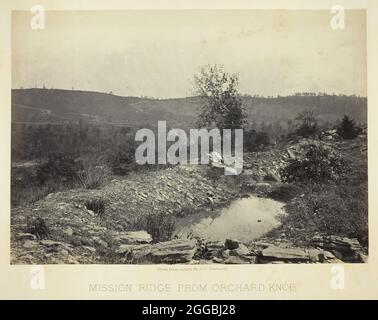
x: 62, y: 106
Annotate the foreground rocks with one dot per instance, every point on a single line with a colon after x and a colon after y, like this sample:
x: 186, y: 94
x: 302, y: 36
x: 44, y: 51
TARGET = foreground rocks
x: 346, y: 249
x: 137, y: 248
x: 134, y: 237
x: 322, y: 249
x: 273, y: 253
x: 175, y: 251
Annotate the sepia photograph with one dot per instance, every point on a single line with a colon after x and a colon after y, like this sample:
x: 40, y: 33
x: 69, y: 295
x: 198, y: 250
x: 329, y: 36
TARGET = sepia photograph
x: 197, y: 137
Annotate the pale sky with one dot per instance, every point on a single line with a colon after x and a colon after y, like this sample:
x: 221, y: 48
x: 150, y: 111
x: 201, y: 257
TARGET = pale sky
x: 156, y: 53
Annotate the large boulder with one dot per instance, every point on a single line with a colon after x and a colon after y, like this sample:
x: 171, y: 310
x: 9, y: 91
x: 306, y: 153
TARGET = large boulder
x: 272, y: 176
x: 273, y: 253
x: 174, y: 251
x: 231, y: 244
x: 343, y: 248
x: 215, y: 159
x: 29, y: 244
x: 134, y: 237
x: 240, y: 260
x: 262, y: 188
x: 242, y: 250
x: 214, y: 249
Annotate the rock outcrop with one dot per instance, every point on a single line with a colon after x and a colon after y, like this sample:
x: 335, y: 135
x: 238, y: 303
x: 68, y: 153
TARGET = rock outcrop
x: 274, y: 253
x: 174, y: 251
x: 348, y: 250
x: 134, y: 237
x: 322, y: 250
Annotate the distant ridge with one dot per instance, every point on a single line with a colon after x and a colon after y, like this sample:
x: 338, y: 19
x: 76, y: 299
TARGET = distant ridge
x: 60, y: 106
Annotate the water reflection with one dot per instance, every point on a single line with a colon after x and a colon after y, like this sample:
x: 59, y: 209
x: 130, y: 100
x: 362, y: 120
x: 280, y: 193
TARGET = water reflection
x: 245, y: 219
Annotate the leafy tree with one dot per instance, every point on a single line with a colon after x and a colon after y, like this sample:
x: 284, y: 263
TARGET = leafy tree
x: 222, y: 103
x: 308, y: 123
x: 347, y: 128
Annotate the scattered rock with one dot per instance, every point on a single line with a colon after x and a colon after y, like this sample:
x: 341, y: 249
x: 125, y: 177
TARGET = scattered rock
x: 290, y: 154
x: 91, y: 213
x: 242, y: 250
x: 231, y: 244
x: 174, y: 251
x: 262, y: 188
x: 342, y: 248
x: 363, y: 258
x: 217, y: 260
x: 258, y: 247
x: 90, y: 249
x: 240, y: 260
x: 214, y: 248
x: 315, y: 255
x: 55, y: 246
x: 272, y: 177
x: 29, y: 244
x: 50, y: 243
x: 134, y: 253
x: 330, y: 258
x: 26, y: 236
x: 101, y: 243
x: 286, y: 254
x: 337, y: 254
x: 262, y: 185
x: 68, y: 232
x: 215, y: 159
x: 134, y: 237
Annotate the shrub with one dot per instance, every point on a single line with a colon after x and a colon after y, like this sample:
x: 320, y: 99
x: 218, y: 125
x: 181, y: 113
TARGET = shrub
x: 122, y: 159
x: 58, y: 166
x: 308, y: 124
x: 347, y: 129
x: 98, y: 206
x: 159, y: 225
x: 38, y: 226
x: 94, y: 173
x: 314, y: 162
x: 256, y: 141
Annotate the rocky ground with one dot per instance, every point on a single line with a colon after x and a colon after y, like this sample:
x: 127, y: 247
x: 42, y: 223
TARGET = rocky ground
x: 84, y: 224
x: 102, y: 226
